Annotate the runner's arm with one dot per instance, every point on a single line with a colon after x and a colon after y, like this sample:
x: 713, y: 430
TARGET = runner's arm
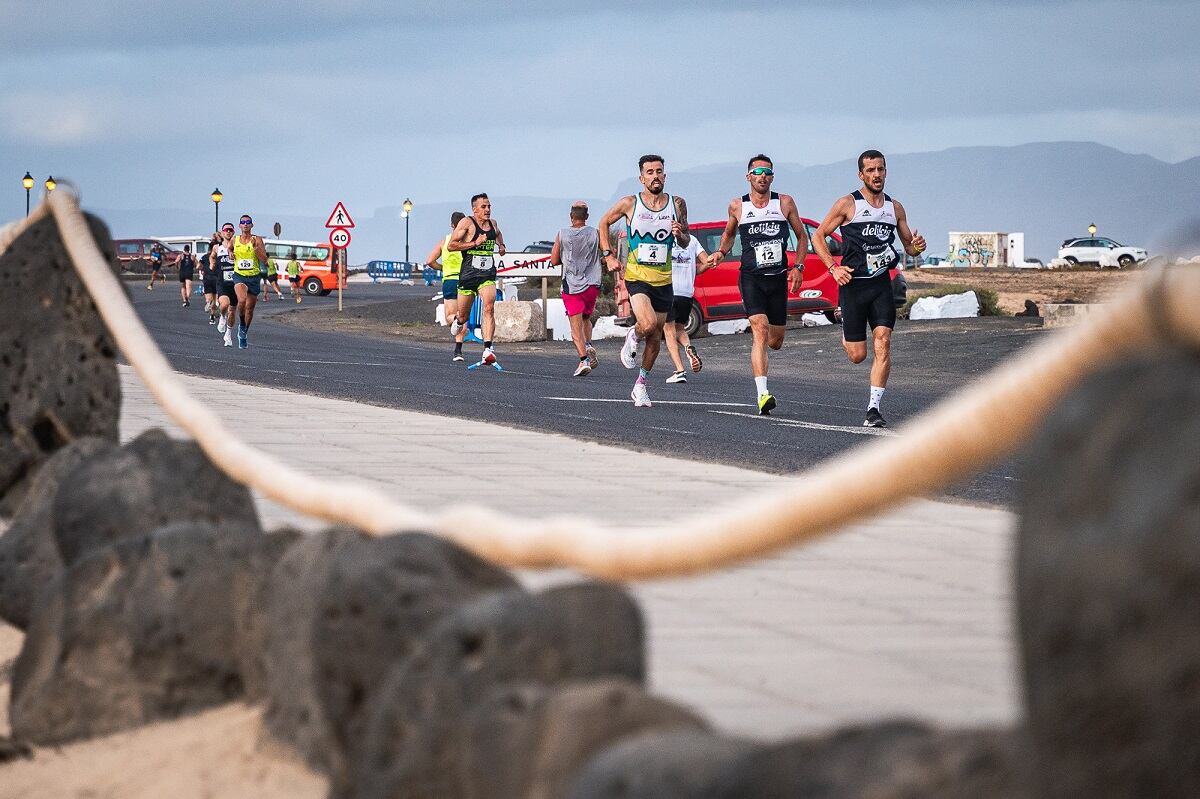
x: 556, y: 251
x: 500, y: 248
x: 610, y: 218
x: 260, y: 250
x: 913, y: 241
x: 460, y: 238
x: 796, y: 274
x: 841, y: 212
x: 679, y: 228
x: 432, y: 260
x: 731, y: 223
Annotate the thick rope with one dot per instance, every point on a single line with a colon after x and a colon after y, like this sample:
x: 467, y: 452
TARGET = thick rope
x: 957, y: 437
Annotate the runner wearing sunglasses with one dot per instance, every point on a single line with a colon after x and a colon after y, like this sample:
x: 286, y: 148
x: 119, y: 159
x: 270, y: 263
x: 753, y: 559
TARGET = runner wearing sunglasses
x: 761, y: 219
x: 248, y: 253
x: 222, y: 260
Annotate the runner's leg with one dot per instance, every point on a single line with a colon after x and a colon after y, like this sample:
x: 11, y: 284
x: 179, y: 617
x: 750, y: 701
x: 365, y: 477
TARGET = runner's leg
x: 673, y: 331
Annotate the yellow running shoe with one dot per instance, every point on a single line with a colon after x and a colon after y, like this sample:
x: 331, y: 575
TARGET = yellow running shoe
x: 766, y: 404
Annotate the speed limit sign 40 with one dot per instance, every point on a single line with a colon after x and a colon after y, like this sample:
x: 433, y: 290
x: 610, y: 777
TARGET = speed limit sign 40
x: 339, y: 238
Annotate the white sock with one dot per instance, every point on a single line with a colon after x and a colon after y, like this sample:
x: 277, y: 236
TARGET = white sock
x: 876, y: 397
x: 761, y: 384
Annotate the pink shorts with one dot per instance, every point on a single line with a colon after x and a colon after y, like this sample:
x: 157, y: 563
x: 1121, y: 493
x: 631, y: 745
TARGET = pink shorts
x: 582, y: 303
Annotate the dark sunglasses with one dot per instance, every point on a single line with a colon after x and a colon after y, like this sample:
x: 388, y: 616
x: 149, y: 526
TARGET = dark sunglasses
x: 246, y: 222
x: 762, y: 170
x: 227, y: 229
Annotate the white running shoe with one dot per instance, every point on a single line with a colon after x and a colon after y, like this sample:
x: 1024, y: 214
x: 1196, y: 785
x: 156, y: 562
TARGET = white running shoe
x: 489, y: 357
x: 222, y: 325
x: 455, y: 326
x: 641, y: 397
x: 593, y: 359
x: 677, y: 377
x: 228, y: 337
x: 629, y: 349
x: 582, y: 369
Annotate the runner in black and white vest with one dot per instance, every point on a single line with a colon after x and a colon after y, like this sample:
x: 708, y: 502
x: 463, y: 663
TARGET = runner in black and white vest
x: 761, y: 218
x: 480, y: 241
x: 869, y: 222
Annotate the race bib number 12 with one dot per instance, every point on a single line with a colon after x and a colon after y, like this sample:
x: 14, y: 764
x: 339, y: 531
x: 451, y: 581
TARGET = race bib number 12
x: 768, y: 253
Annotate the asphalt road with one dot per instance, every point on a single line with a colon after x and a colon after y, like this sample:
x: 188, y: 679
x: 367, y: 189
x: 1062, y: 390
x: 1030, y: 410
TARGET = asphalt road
x: 822, y: 397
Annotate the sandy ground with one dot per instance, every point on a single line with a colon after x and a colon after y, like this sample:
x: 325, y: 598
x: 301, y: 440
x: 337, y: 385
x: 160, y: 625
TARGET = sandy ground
x: 220, y: 754
x: 1014, y: 286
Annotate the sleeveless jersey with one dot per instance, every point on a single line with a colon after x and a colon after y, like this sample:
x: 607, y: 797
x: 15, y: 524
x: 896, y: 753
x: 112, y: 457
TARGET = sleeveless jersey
x: 451, y: 261
x: 867, y: 239
x: 224, y: 263
x: 650, y: 242
x: 245, y: 260
x: 764, y: 235
x: 479, y: 262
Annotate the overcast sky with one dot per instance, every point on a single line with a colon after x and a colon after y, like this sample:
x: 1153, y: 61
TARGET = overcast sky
x: 289, y: 107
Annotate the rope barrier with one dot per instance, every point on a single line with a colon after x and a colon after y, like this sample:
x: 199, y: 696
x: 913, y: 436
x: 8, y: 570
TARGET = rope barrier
x: 955, y: 438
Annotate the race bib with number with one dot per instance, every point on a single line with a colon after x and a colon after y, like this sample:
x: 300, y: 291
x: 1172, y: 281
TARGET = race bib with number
x: 652, y: 254
x: 484, y: 262
x: 227, y: 274
x: 246, y: 265
x: 881, y: 260
x: 769, y: 253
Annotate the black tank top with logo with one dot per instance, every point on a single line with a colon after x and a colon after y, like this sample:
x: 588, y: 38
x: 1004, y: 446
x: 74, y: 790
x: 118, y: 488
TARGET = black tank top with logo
x: 479, y: 262
x: 764, y: 236
x: 868, y: 237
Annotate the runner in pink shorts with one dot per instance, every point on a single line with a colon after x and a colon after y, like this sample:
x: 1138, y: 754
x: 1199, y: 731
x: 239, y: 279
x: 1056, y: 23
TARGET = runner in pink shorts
x: 577, y: 249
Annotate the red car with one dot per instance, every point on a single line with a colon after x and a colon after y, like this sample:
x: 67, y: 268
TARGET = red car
x: 718, y: 297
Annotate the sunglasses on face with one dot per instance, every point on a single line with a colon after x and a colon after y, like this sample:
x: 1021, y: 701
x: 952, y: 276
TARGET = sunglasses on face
x: 245, y: 222
x: 762, y: 170
x: 226, y: 230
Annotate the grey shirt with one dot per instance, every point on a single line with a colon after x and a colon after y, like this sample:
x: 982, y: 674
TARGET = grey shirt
x: 580, y: 247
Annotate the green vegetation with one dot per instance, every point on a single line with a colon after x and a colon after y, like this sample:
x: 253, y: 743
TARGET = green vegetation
x: 989, y: 300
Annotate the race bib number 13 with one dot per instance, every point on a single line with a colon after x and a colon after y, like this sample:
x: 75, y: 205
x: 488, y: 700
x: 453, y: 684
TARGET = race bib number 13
x: 652, y: 254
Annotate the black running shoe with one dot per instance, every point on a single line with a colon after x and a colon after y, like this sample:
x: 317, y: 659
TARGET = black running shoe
x: 874, y: 418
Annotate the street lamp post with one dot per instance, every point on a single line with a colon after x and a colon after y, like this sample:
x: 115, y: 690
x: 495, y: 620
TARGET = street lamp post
x: 27, y: 182
x: 50, y: 184
x: 408, y: 206
x: 216, y: 198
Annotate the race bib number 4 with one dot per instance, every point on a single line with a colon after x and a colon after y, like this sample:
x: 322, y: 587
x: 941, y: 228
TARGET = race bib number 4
x: 652, y: 254
x: 769, y: 253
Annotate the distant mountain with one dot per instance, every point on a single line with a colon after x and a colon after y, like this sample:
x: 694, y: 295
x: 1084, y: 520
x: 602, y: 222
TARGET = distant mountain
x: 1049, y: 191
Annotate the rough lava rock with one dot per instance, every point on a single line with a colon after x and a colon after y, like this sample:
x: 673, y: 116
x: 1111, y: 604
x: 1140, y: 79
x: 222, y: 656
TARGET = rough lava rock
x: 58, y: 363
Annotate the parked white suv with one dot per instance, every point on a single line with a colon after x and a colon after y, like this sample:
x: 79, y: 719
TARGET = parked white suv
x: 1104, y: 252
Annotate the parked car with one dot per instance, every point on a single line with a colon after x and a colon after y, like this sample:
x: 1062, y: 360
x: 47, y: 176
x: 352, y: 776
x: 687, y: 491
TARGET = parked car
x: 718, y: 297
x: 1102, y: 251
x: 539, y: 246
x: 1029, y: 263
x: 137, y: 251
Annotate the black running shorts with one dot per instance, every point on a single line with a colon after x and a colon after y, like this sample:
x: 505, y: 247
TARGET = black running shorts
x: 210, y: 285
x: 765, y: 295
x: 681, y: 310
x: 866, y: 302
x: 225, y: 289
x: 661, y: 297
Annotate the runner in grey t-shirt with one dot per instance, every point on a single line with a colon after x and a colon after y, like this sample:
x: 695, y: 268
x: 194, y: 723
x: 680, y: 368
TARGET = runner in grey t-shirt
x: 577, y: 249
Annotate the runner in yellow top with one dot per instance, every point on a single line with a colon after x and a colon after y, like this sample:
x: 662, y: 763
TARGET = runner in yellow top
x: 451, y: 263
x: 655, y: 222
x: 293, y: 273
x: 248, y: 252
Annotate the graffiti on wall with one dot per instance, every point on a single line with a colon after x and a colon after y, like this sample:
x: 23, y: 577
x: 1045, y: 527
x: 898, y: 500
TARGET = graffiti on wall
x: 973, y: 249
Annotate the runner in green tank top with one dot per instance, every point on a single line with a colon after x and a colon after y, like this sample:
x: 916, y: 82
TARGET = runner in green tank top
x: 480, y: 241
x: 451, y: 264
x: 248, y: 253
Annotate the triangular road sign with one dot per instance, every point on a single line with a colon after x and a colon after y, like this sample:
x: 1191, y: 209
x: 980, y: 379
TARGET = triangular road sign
x: 340, y: 217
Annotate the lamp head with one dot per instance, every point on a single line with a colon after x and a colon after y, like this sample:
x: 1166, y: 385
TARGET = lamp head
x: 1092, y: 229
x: 408, y: 206
x: 50, y: 184
x: 217, y: 196
x: 27, y: 181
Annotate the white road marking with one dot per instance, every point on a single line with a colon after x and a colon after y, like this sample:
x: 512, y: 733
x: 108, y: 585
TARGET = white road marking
x: 673, y: 430
x: 858, y: 431
x: 656, y: 402
x: 338, y: 363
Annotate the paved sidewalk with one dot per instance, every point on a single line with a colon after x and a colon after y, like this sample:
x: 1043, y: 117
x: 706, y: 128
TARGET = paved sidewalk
x: 909, y: 614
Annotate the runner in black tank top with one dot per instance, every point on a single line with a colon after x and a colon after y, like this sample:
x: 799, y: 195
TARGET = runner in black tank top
x: 479, y: 239
x: 870, y: 222
x: 761, y: 219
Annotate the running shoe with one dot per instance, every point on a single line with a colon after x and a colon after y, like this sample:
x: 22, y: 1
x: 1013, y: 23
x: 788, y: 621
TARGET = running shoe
x: 458, y: 358
x: 212, y: 320
x: 243, y: 343
x: 228, y: 338
x: 874, y: 418
x: 593, y: 359
x: 489, y: 357
x: 640, y: 396
x: 629, y: 349
x: 222, y: 325
x: 677, y: 377
x: 455, y: 326
x: 694, y: 358
x: 766, y: 404
x: 582, y: 369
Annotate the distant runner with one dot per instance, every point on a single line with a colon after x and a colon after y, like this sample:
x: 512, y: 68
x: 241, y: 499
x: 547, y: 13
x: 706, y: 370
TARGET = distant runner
x: 450, y: 265
x: 187, y: 269
x: 293, y: 273
x: 479, y: 239
x: 686, y: 264
x: 761, y: 219
x: 156, y: 261
x: 577, y: 249
x: 655, y: 223
x: 227, y: 300
x: 869, y: 222
x: 210, y: 278
x: 248, y: 253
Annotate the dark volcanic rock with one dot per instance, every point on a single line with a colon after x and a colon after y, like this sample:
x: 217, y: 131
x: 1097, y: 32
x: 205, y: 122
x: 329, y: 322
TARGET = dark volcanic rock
x: 414, y: 743
x: 138, y: 631
x: 658, y: 765
x: 341, y: 609
x: 150, y: 482
x: 58, y: 370
x: 29, y: 559
x: 528, y: 742
x: 891, y: 760
x: 1108, y: 574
